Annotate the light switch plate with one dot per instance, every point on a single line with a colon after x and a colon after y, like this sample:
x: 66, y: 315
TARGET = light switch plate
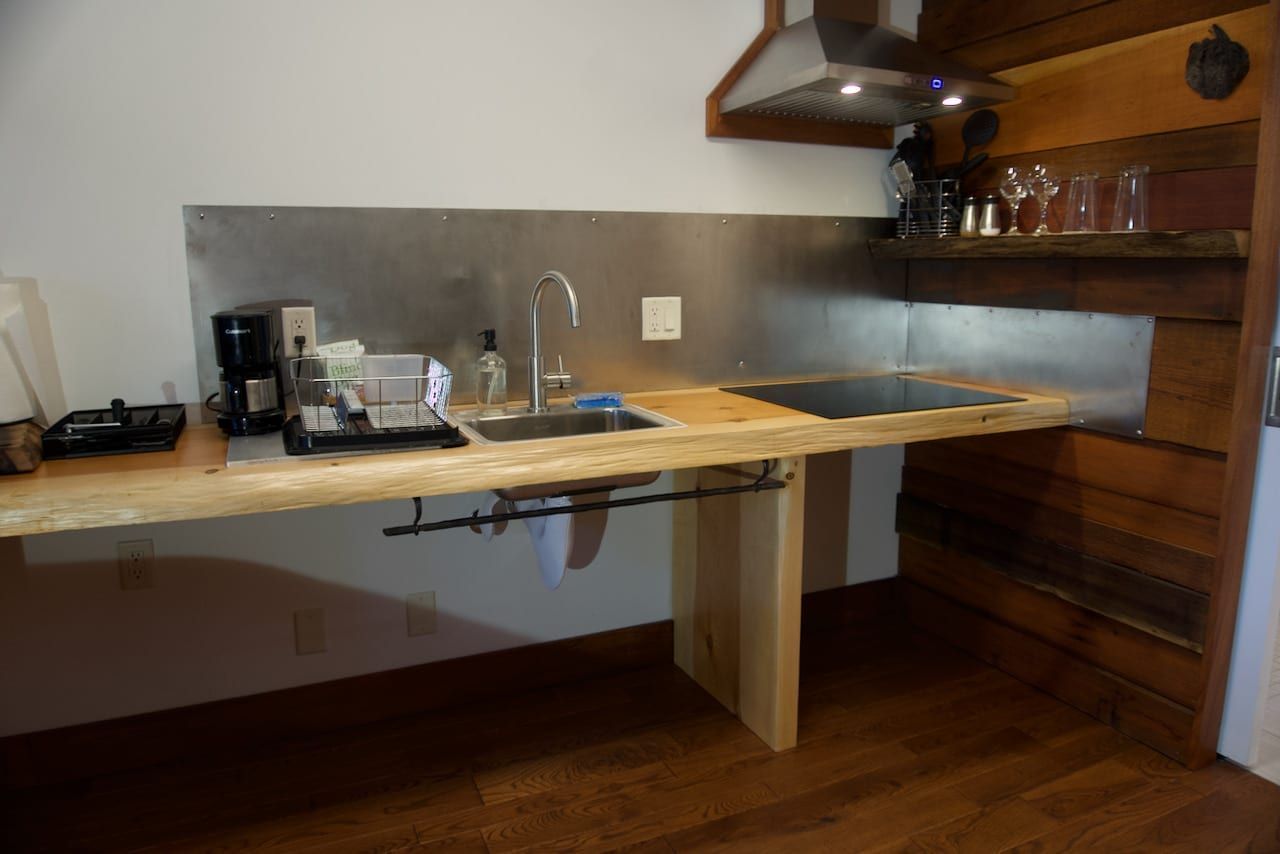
x: 308, y: 631
x: 659, y: 318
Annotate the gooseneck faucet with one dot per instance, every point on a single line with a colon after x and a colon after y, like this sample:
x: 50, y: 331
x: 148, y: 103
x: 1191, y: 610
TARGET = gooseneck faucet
x: 539, y: 379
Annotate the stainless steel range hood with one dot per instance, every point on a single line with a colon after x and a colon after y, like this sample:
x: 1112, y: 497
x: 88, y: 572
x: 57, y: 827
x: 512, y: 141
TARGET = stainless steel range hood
x: 887, y: 79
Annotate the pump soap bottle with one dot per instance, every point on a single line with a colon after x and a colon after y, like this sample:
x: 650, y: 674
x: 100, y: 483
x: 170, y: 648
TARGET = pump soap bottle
x: 491, y: 377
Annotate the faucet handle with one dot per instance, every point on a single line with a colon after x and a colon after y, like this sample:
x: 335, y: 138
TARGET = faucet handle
x: 560, y: 378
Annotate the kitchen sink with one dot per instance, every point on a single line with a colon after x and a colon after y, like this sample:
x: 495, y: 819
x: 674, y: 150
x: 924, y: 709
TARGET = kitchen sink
x: 558, y: 422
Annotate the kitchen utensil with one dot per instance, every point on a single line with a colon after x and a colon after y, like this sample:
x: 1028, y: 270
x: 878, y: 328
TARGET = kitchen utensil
x: 968, y: 167
x: 924, y: 133
x: 979, y: 129
x: 1044, y: 184
x: 906, y: 182
x: 1131, y: 199
x: 1082, y: 203
x: 1013, y: 186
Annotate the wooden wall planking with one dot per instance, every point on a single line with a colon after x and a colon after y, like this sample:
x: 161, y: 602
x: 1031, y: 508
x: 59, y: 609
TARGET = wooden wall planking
x: 1211, y: 289
x: 1261, y: 299
x: 1189, y: 531
x: 1133, y: 710
x: 1140, y: 657
x: 1130, y: 92
x: 1193, y: 376
x: 1071, y: 530
x: 1009, y: 33
x: 1174, y: 613
x: 1158, y: 474
x: 1125, y: 532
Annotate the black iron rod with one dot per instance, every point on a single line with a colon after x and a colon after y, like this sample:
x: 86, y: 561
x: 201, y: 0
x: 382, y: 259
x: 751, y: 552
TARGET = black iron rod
x: 756, y: 486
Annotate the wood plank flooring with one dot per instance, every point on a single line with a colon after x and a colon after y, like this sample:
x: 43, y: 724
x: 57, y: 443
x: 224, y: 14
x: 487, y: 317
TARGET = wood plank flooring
x: 906, y: 744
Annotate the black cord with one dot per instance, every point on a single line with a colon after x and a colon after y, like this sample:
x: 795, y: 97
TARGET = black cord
x: 217, y: 409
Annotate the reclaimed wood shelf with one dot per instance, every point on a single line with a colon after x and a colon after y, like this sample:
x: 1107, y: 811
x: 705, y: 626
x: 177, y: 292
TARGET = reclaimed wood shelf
x: 1215, y: 243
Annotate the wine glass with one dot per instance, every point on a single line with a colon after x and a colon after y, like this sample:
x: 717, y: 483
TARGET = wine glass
x: 1044, y: 184
x: 1013, y: 186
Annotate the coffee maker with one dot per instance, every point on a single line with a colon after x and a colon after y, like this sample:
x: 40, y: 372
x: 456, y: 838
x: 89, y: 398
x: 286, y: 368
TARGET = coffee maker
x: 251, y: 391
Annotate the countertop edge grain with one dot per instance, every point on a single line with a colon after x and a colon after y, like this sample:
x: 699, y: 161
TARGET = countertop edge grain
x: 72, y: 501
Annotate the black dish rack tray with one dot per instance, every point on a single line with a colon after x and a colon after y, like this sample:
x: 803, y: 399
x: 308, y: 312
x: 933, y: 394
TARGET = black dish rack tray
x: 361, y: 436
x: 121, y: 430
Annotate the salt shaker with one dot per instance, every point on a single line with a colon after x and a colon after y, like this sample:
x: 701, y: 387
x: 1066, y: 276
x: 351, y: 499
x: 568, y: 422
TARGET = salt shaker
x: 989, y: 224
x: 969, y: 220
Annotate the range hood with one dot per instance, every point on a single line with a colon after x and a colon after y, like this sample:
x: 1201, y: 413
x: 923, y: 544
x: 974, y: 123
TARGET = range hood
x: 832, y: 69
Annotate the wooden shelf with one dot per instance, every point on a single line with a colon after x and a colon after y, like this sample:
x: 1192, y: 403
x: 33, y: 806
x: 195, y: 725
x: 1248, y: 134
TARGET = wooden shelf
x: 1217, y: 243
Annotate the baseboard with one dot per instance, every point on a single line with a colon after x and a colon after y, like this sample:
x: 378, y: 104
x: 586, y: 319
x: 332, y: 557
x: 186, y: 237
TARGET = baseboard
x: 244, y: 723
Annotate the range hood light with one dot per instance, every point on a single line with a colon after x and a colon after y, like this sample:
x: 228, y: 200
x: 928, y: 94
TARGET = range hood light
x: 953, y: 101
x: 851, y: 89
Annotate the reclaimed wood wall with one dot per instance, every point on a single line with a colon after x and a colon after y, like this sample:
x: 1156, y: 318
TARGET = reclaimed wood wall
x: 1084, y: 563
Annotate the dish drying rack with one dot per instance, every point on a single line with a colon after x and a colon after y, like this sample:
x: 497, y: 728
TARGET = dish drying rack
x: 370, y: 403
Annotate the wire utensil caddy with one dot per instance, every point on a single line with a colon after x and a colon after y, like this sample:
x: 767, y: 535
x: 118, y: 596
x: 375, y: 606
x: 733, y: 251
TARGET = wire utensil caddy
x: 370, y: 403
x: 930, y: 209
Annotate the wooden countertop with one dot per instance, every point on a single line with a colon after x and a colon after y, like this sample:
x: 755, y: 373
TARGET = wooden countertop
x: 193, y: 482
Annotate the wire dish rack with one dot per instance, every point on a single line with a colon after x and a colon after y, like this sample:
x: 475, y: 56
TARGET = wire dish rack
x: 370, y: 403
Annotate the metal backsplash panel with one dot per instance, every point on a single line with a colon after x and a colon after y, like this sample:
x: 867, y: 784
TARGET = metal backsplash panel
x: 764, y: 297
x: 1100, y: 363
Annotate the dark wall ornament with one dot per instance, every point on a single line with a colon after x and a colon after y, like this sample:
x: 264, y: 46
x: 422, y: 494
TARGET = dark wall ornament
x: 1216, y: 66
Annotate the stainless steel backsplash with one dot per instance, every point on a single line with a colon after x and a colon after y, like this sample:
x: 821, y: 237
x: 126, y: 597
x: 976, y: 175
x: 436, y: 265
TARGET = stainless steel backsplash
x: 764, y: 297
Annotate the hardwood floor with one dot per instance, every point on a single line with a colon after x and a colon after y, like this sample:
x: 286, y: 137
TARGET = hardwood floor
x: 906, y: 744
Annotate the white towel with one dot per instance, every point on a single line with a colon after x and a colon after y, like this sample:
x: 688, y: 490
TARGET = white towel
x: 490, y: 505
x: 552, y: 538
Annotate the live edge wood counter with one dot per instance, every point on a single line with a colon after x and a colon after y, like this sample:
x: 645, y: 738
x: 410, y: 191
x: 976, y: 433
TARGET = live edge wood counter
x: 736, y: 560
x: 193, y: 482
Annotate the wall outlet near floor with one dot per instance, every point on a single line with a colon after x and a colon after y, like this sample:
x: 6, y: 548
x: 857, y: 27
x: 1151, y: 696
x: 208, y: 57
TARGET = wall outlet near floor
x: 420, y: 611
x: 659, y: 318
x: 136, y: 561
x: 298, y: 321
x: 308, y: 631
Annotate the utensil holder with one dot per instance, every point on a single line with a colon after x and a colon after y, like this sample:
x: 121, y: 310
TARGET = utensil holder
x: 931, y: 209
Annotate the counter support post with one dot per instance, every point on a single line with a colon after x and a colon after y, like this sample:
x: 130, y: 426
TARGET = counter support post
x: 736, y: 585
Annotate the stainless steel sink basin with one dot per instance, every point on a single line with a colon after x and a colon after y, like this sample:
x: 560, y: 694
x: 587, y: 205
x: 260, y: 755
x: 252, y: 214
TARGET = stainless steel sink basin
x: 558, y: 422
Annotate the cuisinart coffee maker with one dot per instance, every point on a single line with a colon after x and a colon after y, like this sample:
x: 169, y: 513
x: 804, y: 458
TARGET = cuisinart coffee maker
x: 251, y: 391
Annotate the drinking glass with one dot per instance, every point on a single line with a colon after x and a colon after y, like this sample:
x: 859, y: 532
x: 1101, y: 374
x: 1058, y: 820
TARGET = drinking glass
x: 1013, y: 186
x: 1131, y: 199
x: 1082, y: 203
x: 1044, y: 184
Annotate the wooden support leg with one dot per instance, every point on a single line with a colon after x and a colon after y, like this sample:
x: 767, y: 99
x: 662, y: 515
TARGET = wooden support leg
x: 735, y: 590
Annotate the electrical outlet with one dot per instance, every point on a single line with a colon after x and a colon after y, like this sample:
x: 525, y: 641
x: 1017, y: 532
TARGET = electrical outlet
x: 660, y: 318
x: 420, y: 610
x: 295, y: 321
x: 308, y: 631
x: 135, y: 559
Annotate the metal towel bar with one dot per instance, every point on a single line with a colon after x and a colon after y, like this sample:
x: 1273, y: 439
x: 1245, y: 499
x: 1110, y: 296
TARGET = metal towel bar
x: 761, y: 483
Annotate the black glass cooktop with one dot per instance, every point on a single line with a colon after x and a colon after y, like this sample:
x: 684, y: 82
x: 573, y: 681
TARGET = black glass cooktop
x: 867, y: 396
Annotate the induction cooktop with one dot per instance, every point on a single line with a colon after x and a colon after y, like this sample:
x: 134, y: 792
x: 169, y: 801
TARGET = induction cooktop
x: 867, y: 396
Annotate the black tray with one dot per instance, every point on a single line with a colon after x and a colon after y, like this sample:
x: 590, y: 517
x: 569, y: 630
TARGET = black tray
x: 299, y: 441
x: 96, y: 432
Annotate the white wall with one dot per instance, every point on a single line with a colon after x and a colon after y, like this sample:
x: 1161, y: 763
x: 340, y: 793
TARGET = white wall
x: 1253, y: 652
x: 115, y: 113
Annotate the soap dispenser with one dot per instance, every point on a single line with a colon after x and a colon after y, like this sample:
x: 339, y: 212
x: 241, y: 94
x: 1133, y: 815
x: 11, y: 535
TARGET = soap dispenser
x: 491, y: 377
